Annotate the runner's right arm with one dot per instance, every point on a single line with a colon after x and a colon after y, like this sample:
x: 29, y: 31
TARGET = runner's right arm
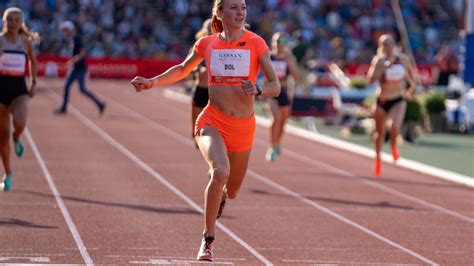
x: 173, y: 74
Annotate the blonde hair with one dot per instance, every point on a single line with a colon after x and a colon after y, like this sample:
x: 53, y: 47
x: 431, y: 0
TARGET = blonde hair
x: 216, y: 22
x: 381, y: 39
x: 217, y: 25
x: 205, y: 30
x: 23, y: 29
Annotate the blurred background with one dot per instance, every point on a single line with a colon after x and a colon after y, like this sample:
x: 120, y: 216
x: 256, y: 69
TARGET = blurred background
x: 333, y: 41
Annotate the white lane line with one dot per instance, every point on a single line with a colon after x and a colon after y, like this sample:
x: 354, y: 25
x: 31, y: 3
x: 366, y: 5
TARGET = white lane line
x: 348, y: 146
x: 335, y: 263
x: 335, y: 170
x: 373, y: 184
x: 162, y: 180
x: 30, y: 259
x: 364, y: 151
x: 57, y: 196
x: 337, y: 216
x: 267, y: 181
x: 177, y: 262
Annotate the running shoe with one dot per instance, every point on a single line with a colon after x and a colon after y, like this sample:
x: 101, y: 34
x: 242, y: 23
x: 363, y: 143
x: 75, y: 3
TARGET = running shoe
x: 60, y: 111
x: 277, y: 149
x: 19, y: 148
x: 395, y: 154
x: 206, y: 251
x: 378, y: 167
x: 221, y: 209
x: 7, y: 182
x: 271, y: 155
x: 102, y: 108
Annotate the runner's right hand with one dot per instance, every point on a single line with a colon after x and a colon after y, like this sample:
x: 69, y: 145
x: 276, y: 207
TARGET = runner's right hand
x: 141, y: 83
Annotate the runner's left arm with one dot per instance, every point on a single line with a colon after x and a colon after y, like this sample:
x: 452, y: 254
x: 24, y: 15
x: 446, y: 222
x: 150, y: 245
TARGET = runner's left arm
x: 33, y: 64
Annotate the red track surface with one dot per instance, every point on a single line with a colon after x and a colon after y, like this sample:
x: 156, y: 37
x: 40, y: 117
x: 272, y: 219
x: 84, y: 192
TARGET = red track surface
x: 314, y: 205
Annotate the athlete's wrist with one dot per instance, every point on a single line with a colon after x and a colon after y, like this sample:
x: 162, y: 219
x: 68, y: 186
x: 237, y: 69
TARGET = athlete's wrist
x: 151, y: 83
x: 259, y: 90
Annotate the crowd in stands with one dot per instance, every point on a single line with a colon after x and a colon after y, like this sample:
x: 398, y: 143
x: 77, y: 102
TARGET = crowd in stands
x: 340, y: 30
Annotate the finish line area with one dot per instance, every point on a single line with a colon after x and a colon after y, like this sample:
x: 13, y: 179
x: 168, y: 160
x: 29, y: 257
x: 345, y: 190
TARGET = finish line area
x: 126, y: 188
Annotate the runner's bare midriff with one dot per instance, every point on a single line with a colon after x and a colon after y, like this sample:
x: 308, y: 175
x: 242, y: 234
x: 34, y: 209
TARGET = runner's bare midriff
x: 231, y: 100
x: 391, y: 90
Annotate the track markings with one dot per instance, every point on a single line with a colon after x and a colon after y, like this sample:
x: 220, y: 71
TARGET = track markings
x: 178, y: 262
x: 162, y: 180
x: 337, y: 216
x: 329, y: 168
x: 57, y: 196
x: 24, y: 258
x: 283, y: 189
x: 294, y: 155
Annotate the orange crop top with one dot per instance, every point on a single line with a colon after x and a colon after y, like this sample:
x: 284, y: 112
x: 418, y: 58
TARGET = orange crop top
x: 230, y: 63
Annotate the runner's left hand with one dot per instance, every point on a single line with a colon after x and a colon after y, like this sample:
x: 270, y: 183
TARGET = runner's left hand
x: 141, y: 83
x: 32, y: 90
x: 410, y: 93
x: 249, y: 88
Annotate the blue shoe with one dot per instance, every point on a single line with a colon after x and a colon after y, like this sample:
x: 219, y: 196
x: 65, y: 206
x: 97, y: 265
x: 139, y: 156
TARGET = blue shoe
x: 7, y: 182
x: 19, y: 148
x: 271, y: 155
x: 277, y: 149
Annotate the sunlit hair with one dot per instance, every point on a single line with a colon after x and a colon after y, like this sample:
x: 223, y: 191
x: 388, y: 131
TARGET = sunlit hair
x: 381, y: 40
x: 205, y: 30
x: 216, y: 22
x: 23, y: 29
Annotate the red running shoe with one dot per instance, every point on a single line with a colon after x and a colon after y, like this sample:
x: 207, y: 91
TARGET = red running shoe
x: 206, y: 251
x: 395, y: 154
x: 378, y: 167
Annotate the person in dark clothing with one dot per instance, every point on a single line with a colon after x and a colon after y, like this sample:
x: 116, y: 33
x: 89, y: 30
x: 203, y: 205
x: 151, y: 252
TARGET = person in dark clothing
x: 77, y: 69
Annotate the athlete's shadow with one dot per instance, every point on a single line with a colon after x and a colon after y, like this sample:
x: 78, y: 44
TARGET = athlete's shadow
x: 138, y: 207
x: 380, y: 204
x: 395, y: 180
x: 387, y: 178
x: 11, y: 222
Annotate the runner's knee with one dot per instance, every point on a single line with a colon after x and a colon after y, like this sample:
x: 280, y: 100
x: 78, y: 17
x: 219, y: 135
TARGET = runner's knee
x: 219, y: 176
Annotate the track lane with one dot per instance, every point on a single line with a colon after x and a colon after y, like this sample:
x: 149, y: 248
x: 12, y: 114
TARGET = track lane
x: 449, y: 238
x: 112, y: 191
x: 32, y: 227
x: 335, y: 245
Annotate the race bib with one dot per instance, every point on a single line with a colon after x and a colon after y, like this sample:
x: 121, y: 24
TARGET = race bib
x: 12, y: 64
x: 395, y: 73
x: 280, y: 68
x: 230, y: 66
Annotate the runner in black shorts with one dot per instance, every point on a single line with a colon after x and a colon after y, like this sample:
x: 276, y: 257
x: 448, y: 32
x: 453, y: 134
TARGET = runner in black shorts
x: 200, y: 90
x: 278, y: 108
x: 392, y: 69
x: 16, y: 52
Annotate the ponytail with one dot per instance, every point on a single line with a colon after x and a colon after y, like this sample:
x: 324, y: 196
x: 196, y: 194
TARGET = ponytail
x: 216, y: 25
x: 33, y: 36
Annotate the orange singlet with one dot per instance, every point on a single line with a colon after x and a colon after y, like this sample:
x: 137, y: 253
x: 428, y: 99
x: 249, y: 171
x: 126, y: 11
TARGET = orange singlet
x: 230, y: 63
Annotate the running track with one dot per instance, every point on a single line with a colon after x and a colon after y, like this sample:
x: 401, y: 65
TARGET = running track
x: 126, y: 188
